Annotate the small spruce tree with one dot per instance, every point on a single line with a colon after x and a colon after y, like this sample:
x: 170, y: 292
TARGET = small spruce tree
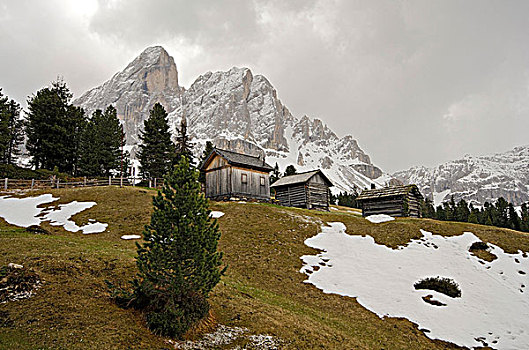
x: 290, y: 170
x: 178, y: 263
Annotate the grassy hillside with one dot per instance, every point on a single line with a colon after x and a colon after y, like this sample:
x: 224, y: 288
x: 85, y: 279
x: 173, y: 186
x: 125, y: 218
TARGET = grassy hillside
x: 263, y: 289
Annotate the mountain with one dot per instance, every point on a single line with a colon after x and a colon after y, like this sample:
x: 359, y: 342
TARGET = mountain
x: 475, y: 179
x: 236, y: 110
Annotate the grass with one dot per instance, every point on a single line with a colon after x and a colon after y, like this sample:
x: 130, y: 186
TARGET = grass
x: 263, y: 289
x: 444, y: 285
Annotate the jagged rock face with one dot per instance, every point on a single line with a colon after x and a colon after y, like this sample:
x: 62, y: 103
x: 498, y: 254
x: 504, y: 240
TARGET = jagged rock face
x: 236, y: 110
x: 475, y: 179
x: 151, y: 78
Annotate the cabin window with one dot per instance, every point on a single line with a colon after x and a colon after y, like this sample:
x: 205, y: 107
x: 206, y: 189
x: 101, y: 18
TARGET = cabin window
x: 244, y: 178
x: 262, y: 181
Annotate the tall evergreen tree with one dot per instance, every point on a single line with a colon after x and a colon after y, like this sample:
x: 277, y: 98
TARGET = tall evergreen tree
x: 54, y: 128
x: 184, y: 147
x: 101, y: 144
x: 514, y: 219
x: 11, y: 130
x: 178, y: 263
x: 156, y: 151
x: 207, y: 150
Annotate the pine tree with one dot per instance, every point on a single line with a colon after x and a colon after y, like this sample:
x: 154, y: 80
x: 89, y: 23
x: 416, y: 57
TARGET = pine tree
x: 54, y: 128
x: 178, y: 263
x: 11, y: 131
x: 524, y: 224
x: 207, y: 150
x: 183, y: 144
x: 156, y: 151
x: 101, y: 144
x: 513, y: 220
x: 276, y: 175
x: 290, y: 170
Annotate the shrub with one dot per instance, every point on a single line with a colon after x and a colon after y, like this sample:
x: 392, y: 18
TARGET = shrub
x: 444, y: 285
x: 479, y: 246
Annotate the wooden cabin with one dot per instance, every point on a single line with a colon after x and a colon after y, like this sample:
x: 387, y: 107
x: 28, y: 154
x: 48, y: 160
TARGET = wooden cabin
x: 304, y: 190
x: 230, y: 174
x: 394, y: 201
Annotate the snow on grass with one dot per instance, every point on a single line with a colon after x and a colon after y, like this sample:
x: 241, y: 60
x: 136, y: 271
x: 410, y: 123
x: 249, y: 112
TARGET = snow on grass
x: 216, y: 214
x: 62, y: 217
x: 493, y: 308
x: 24, y: 212
x: 379, y: 218
x: 127, y: 237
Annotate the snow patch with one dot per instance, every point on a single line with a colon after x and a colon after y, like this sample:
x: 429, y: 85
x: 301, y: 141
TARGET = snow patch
x: 24, y: 212
x: 493, y: 308
x: 379, y: 218
x: 127, y: 237
x: 216, y: 214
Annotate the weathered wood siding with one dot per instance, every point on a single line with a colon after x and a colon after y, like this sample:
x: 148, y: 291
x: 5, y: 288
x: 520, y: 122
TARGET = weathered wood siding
x: 292, y: 196
x: 252, y: 187
x: 314, y: 194
x: 224, y: 180
x: 398, y: 206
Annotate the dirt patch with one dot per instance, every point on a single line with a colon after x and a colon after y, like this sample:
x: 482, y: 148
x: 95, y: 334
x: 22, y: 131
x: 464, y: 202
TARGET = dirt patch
x: 17, y: 282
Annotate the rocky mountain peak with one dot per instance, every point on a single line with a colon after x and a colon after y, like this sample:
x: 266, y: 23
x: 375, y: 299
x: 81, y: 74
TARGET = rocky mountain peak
x: 236, y: 110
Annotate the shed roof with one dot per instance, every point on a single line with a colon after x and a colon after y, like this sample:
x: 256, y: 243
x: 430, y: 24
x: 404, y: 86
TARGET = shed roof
x: 300, y: 178
x: 239, y: 159
x: 389, y: 192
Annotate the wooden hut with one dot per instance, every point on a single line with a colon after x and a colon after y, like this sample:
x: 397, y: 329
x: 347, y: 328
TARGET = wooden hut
x: 230, y: 174
x: 304, y: 190
x: 394, y: 201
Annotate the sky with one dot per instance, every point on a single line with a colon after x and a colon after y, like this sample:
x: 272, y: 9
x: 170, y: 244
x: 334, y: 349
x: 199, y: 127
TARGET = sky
x: 415, y: 82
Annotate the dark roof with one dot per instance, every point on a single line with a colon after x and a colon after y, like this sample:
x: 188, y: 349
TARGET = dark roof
x: 300, y: 178
x: 389, y: 192
x: 239, y: 159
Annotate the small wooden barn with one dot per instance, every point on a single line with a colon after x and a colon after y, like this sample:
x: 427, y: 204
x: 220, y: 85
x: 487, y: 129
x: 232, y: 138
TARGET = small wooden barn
x: 304, y: 190
x: 394, y: 201
x: 230, y: 174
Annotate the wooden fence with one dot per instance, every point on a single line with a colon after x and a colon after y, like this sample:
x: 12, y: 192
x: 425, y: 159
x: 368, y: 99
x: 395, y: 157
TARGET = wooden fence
x: 15, y: 184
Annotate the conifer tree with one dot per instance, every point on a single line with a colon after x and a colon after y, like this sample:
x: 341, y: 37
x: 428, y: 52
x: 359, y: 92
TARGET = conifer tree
x: 183, y: 144
x: 290, y: 170
x: 54, y: 128
x: 276, y: 175
x: 11, y: 131
x: 207, y: 150
x: 514, y: 219
x: 178, y: 263
x: 156, y: 151
x: 101, y: 144
x: 524, y: 224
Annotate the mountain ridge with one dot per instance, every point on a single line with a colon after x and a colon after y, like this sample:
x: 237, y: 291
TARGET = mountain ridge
x: 477, y: 179
x: 236, y: 110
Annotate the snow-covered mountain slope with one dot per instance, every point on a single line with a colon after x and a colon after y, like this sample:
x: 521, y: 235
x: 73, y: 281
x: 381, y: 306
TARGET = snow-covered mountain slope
x: 475, y: 179
x: 236, y: 110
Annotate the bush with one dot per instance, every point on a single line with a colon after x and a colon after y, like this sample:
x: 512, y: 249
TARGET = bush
x: 443, y: 285
x: 479, y: 246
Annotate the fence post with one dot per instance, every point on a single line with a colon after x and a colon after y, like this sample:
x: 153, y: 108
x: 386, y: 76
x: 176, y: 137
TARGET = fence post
x: 58, y: 183
x: 133, y: 181
x: 5, y: 184
x: 150, y: 183
x: 85, y: 181
x: 32, y: 183
x: 109, y: 181
x: 154, y: 182
x: 121, y: 181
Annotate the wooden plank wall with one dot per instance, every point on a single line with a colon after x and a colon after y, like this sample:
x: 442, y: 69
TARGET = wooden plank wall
x: 393, y: 206
x: 292, y: 196
x: 318, y: 196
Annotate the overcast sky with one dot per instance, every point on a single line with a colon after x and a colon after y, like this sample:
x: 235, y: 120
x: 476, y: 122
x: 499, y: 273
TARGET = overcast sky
x: 415, y: 82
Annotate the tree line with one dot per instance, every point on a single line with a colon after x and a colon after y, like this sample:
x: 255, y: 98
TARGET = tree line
x: 500, y: 214
x: 60, y: 136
